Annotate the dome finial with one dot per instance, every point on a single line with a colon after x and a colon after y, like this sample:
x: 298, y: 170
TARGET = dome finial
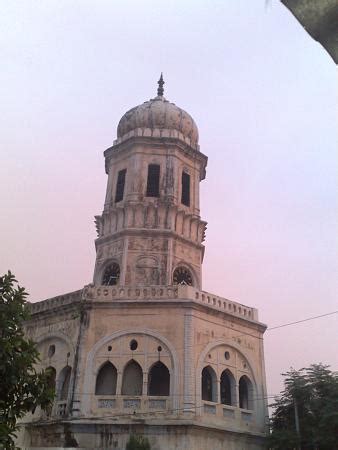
x: 160, y: 90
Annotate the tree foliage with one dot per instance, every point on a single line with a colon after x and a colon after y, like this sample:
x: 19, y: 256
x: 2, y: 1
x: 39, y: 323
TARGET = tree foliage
x: 313, y: 391
x: 22, y: 387
x: 138, y: 443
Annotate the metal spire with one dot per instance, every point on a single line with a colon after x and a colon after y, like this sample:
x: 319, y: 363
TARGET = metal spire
x: 160, y: 90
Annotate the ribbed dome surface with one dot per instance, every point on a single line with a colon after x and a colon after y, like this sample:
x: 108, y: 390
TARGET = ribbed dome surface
x: 161, y: 115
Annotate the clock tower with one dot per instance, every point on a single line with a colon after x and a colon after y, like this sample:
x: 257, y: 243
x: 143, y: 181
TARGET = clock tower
x: 150, y: 232
x: 143, y: 350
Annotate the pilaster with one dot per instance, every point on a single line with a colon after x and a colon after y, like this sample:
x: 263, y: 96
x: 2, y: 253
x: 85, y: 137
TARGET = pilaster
x: 189, y: 375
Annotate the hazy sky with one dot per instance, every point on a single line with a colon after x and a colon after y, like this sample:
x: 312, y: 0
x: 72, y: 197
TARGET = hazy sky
x: 263, y: 95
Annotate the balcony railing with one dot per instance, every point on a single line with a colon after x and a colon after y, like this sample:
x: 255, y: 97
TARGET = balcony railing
x: 61, y: 408
x: 228, y: 412
x: 158, y: 293
x: 146, y: 293
x: 129, y: 404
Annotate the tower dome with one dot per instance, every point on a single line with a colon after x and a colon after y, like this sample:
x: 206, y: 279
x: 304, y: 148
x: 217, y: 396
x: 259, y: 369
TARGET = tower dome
x: 158, y: 118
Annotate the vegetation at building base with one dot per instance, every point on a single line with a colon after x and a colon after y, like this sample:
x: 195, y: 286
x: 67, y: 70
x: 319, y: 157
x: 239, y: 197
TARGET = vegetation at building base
x: 138, y: 443
x: 305, y: 416
x: 22, y: 388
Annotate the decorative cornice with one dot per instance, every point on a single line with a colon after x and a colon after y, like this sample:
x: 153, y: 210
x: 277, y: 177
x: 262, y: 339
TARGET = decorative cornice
x: 167, y: 218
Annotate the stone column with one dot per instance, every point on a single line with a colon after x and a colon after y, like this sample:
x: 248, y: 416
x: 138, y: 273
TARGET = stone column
x: 145, y: 384
x: 218, y: 391
x: 237, y: 395
x: 119, y: 383
x: 124, y: 261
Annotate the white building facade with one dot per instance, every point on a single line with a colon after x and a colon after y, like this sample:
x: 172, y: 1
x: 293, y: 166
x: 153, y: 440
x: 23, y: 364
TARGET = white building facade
x: 143, y: 349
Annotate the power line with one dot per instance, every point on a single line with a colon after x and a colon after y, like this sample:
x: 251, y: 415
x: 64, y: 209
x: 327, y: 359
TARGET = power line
x: 301, y: 321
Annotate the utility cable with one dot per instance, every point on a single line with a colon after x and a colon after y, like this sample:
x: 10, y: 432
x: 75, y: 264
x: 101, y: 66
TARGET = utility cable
x: 301, y: 321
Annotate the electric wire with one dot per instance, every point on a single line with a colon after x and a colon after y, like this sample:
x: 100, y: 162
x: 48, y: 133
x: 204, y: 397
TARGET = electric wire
x: 301, y: 321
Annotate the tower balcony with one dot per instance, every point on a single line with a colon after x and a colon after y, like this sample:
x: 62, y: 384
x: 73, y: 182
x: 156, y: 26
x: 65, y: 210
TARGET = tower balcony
x: 170, y: 293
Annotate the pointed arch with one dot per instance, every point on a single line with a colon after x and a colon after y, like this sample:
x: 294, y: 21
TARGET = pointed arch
x: 245, y: 391
x: 159, y: 380
x: 132, y: 381
x: 51, y: 377
x: 106, y: 380
x: 64, y: 381
x: 209, y: 384
x: 51, y: 383
x: 90, y: 373
x: 228, y: 388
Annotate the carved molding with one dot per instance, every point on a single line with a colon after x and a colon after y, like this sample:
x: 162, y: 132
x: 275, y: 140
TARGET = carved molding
x: 151, y: 216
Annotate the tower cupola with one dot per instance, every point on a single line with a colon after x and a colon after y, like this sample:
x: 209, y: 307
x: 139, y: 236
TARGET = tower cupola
x: 159, y: 118
x: 150, y: 231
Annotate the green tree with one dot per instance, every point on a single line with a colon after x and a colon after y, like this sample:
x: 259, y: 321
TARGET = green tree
x: 22, y: 387
x: 309, y: 402
x: 138, y: 443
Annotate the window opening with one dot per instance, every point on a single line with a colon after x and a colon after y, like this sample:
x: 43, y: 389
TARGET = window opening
x: 227, y: 388
x: 245, y: 393
x: 209, y: 385
x: 106, y: 380
x: 64, y: 382
x: 111, y: 275
x: 159, y: 380
x: 185, y: 197
x: 121, y: 178
x: 132, y: 379
x: 51, y: 383
x: 51, y: 377
x: 153, y: 181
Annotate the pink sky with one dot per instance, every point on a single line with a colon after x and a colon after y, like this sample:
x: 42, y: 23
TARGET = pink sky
x: 263, y: 95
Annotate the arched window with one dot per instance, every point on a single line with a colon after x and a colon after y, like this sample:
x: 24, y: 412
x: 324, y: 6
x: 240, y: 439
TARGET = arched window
x: 64, y: 380
x: 106, y: 380
x: 209, y: 385
x: 132, y: 379
x: 228, y: 388
x: 159, y: 380
x: 51, y: 382
x: 51, y: 377
x: 245, y: 393
x: 111, y: 275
